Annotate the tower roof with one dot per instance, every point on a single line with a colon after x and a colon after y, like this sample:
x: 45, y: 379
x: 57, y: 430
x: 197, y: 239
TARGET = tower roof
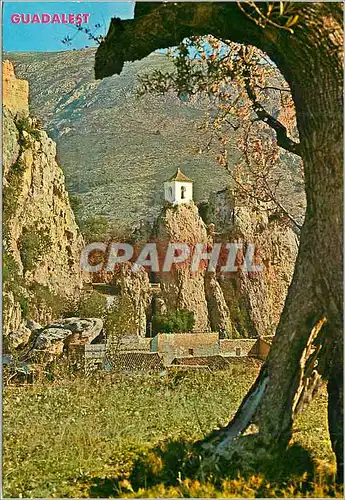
x: 179, y: 176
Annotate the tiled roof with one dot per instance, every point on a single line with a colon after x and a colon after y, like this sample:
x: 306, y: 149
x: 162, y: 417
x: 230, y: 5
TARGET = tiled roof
x: 215, y: 362
x: 135, y: 361
x: 179, y: 176
x: 189, y: 368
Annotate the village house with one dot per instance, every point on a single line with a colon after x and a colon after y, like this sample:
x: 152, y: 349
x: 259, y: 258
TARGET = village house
x: 206, y: 349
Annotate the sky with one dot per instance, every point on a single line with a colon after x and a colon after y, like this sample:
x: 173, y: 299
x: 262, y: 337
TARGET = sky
x: 19, y: 37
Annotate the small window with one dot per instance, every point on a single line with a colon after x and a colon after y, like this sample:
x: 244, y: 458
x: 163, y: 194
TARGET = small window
x: 183, y: 192
x: 191, y: 352
x: 238, y: 351
x: 170, y: 192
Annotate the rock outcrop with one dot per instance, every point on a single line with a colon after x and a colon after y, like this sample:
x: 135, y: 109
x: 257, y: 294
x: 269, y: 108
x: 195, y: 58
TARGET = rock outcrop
x: 15, y: 92
x: 54, y: 339
x: 237, y: 303
x: 42, y: 242
x: 254, y: 300
x: 136, y: 298
x: 181, y: 288
x: 71, y: 330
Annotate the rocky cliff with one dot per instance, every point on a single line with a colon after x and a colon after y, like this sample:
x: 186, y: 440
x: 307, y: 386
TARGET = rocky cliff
x: 42, y: 242
x: 254, y: 299
x: 181, y: 288
x: 15, y: 92
x: 245, y: 304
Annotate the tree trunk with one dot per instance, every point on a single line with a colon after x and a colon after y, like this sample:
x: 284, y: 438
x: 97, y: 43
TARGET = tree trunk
x: 311, y: 61
x: 336, y: 416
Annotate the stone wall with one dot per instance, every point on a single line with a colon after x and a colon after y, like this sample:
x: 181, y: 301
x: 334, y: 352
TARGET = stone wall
x: 177, y: 345
x: 238, y: 347
x: 131, y: 343
x: 15, y: 92
x: 172, y: 345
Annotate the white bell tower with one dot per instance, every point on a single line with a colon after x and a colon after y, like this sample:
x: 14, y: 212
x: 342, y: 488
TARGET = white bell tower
x: 178, y: 189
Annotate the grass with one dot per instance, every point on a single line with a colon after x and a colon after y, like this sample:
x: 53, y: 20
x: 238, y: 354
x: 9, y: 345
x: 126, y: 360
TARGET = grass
x: 131, y: 436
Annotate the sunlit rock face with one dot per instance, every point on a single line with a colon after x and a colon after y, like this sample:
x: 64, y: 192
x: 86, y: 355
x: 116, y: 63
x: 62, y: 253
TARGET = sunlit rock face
x: 15, y: 92
x: 42, y: 242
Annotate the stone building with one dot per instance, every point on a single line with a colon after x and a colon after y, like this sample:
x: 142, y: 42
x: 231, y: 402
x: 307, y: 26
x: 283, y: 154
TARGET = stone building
x: 172, y: 345
x: 188, y: 345
x: 238, y: 347
x: 174, y: 350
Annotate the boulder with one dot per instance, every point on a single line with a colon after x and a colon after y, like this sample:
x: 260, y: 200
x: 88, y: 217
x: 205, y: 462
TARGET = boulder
x: 33, y: 325
x: 18, y: 338
x: 51, y: 338
x: 83, y: 331
x: 55, y: 338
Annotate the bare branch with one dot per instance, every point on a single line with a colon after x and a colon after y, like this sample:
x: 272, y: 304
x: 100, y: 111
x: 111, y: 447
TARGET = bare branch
x: 272, y: 88
x: 283, y: 139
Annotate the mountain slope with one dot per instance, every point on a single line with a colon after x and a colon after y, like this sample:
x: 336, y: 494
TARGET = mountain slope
x: 116, y: 149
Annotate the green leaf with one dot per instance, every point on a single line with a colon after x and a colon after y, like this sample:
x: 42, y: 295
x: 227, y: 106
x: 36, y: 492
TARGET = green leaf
x: 292, y: 20
x: 281, y: 8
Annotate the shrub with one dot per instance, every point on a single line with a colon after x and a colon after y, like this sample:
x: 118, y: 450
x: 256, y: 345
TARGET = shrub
x: 13, y: 283
x: 9, y: 266
x: 76, y: 205
x: 42, y: 299
x: 177, y: 321
x: 33, y: 245
x: 12, y: 189
x: 29, y: 125
x: 119, y: 321
x: 92, y: 304
x: 94, y: 228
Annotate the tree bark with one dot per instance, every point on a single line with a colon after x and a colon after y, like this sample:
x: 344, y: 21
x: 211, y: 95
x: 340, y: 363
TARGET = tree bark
x: 310, y: 59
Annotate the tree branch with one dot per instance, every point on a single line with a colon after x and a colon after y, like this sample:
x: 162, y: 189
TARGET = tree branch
x: 160, y: 25
x: 269, y: 87
x: 283, y: 139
